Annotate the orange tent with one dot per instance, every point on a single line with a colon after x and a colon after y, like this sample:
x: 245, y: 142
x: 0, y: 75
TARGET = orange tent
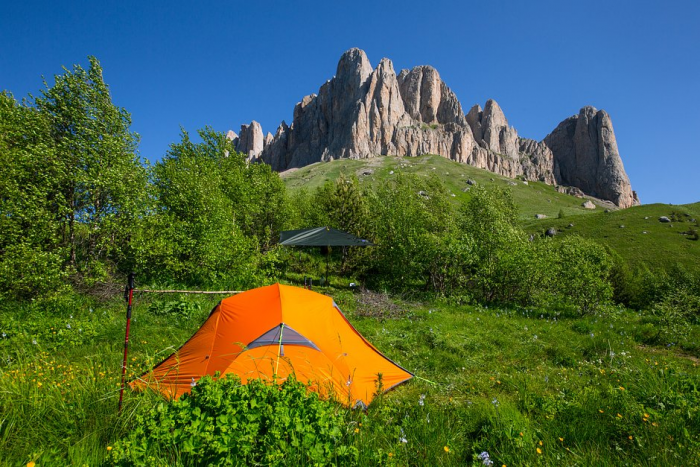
x: 273, y: 332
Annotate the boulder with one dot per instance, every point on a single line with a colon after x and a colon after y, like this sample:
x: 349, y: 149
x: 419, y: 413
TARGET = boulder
x: 589, y: 205
x: 664, y: 219
x: 551, y: 232
x: 540, y: 216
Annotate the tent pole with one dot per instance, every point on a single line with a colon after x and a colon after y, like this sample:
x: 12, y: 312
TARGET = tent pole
x: 328, y: 255
x: 128, y: 295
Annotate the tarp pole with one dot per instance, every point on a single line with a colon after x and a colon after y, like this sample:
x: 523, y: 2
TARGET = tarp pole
x: 128, y: 295
x: 328, y: 256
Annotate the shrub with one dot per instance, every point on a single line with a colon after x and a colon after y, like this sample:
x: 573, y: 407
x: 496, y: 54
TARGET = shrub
x: 579, y: 274
x: 180, y: 309
x: 223, y: 422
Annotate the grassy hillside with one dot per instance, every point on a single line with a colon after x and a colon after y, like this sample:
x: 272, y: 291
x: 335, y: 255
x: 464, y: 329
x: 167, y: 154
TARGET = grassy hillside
x: 637, y: 234
x: 662, y: 246
x: 533, y: 198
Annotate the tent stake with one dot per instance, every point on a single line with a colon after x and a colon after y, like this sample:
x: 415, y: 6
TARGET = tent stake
x: 128, y: 295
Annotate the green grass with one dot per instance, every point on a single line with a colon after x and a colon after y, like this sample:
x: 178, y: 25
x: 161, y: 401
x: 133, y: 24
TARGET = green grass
x: 504, y: 381
x: 637, y: 234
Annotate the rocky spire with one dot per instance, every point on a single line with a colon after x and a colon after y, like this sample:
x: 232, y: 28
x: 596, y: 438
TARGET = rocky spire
x: 586, y: 156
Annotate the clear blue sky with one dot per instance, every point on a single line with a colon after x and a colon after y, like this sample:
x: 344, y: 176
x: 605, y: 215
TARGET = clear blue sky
x: 224, y: 63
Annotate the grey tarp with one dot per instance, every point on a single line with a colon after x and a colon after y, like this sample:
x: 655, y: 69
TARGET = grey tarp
x: 321, y: 236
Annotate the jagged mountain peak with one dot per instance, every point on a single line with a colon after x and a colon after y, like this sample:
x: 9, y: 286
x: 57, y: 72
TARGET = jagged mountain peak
x: 366, y: 112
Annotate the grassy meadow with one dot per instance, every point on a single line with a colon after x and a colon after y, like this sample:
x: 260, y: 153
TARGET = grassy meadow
x: 526, y: 386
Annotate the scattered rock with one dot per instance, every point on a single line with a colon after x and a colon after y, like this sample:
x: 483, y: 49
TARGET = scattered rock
x: 367, y: 172
x: 588, y: 204
x: 525, y: 182
x: 644, y: 232
x: 571, y: 225
x: 465, y: 189
x: 664, y: 219
x: 551, y: 232
x: 470, y: 182
x: 646, y: 217
x: 423, y: 194
x: 540, y: 216
x: 391, y: 172
x: 622, y: 226
x: 571, y: 190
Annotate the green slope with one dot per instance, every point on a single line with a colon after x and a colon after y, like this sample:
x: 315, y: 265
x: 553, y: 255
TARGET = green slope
x: 637, y: 234
x: 533, y: 198
x: 662, y: 246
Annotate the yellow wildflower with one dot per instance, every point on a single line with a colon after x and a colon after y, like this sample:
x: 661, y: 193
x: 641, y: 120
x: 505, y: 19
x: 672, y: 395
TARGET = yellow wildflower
x: 30, y: 464
x: 357, y: 430
x: 391, y: 454
x: 539, y: 451
x: 447, y: 449
x: 600, y: 410
x: 109, y: 448
x: 561, y: 439
x: 619, y: 416
x: 630, y: 436
x: 540, y: 443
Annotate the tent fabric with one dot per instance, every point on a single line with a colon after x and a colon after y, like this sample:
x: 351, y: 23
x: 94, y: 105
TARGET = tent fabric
x: 272, y: 333
x: 321, y: 236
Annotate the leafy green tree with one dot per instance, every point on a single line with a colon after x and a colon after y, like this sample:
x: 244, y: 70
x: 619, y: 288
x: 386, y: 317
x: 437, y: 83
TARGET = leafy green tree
x: 405, y: 213
x: 216, y: 216
x: 490, y: 219
x: 31, y: 257
x: 101, y: 180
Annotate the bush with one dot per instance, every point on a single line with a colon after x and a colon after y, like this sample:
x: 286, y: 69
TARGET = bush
x: 179, y: 309
x: 579, y: 274
x: 223, y: 422
x: 28, y: 272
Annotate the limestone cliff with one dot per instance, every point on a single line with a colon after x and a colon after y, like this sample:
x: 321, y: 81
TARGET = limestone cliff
x: 364, y: 112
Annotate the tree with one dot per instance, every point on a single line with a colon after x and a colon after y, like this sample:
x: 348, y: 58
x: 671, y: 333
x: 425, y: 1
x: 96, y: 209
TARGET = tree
x: 500, y: 247
x: 31, y: 257
x: 215, y: 216
x: 101, y: 180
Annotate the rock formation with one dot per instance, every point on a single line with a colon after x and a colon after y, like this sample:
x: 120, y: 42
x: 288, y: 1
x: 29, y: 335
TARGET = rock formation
x: 586, y: 155
x: 250, y: 141
x: 364, y: 112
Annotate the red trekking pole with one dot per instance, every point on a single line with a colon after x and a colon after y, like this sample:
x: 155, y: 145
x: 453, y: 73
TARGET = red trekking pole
x: 128, y: 296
